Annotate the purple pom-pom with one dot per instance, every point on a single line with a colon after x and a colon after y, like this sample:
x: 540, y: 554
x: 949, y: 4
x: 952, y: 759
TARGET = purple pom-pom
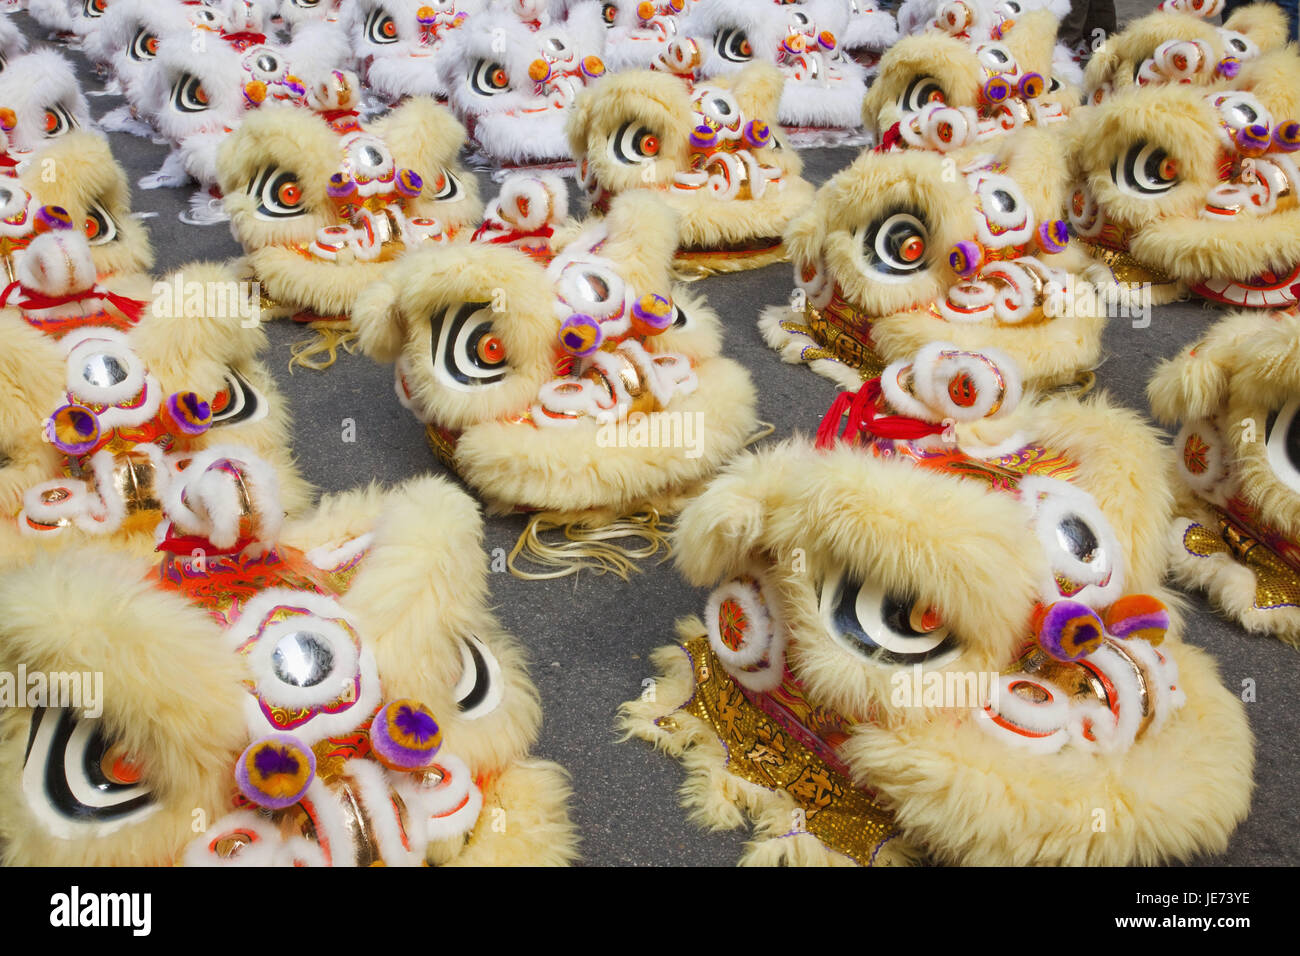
x: 965, y: 258
x: 703, y: 137
x: 73, y: 429
x: 1253, y: 139
x: 341, y: 186
x: 405, y: 736
x: 580, y: 335
x: 996, y: 89
x: 1053, y: 236
x: 51, y: 218
x: 1069, y: 630
x: 1286, y: 136
x: 275, y: 771
x: 189, y: 413
x: 409, y: 183
x: 757, y: 134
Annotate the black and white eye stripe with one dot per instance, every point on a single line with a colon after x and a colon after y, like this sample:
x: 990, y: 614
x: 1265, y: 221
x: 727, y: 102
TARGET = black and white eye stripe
x: 67, y: 775
x: 466, y: 351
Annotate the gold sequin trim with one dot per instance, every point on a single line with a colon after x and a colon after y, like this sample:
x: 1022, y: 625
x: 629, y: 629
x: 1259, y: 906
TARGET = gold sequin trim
x: 761, y: 752
x: 1276, y: 584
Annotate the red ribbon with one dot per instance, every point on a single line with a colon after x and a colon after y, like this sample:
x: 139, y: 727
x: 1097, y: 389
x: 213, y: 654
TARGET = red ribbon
x: 244, y: 37
x: 333, y: 116
x: 36, y: 301
x: 891, y: 139
x: 545, y: 232
x: 863, y: 407
x: 173, y: 543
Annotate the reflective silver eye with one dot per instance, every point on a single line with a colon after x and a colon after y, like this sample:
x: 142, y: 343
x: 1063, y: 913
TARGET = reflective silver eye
x: 887, y: 629
x: 104, y: 370
x: 302, y: 659
x: 595, y: 286
x: 996, y: 57
x: 1077, y: 538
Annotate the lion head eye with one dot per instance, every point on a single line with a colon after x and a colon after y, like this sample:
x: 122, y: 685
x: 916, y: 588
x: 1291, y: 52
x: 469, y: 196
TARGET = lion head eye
x: 467, y: 352
x: 886, y: 628
x: 894, y: 246
x: 1144, y: 170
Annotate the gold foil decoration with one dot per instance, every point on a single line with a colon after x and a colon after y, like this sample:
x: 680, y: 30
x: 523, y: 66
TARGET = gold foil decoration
x: 1082, y: 683
x: 761, y: 752
x: 135, y: 482
x: 443, y: 444
x: 843, y: 335
x: 1128, y: 270
x: 1276, y: 583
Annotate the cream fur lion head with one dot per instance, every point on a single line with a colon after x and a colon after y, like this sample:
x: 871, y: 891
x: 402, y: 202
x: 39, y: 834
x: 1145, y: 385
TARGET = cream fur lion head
x: 531, y: 351
x: 347, y: 678
x: 1177, y: 45
x: 957, y: 533
x: 1189, y: 187
x: 1234, y: 396
x: 112, y: 384
x: 909, y: 246
x: 735, y: 188
x: 79, y: 173
x: 325, y: 204
x: 1005, y: 76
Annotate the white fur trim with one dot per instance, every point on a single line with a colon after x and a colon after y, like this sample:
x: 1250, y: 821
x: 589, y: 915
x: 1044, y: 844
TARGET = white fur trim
x: 1050, y: 501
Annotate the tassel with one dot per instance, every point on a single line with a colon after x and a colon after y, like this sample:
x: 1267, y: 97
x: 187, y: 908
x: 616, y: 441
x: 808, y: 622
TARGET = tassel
x: 322, y: 351
x: 761, y: 431
x: 1081, y: 385
x: 595, y: 549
